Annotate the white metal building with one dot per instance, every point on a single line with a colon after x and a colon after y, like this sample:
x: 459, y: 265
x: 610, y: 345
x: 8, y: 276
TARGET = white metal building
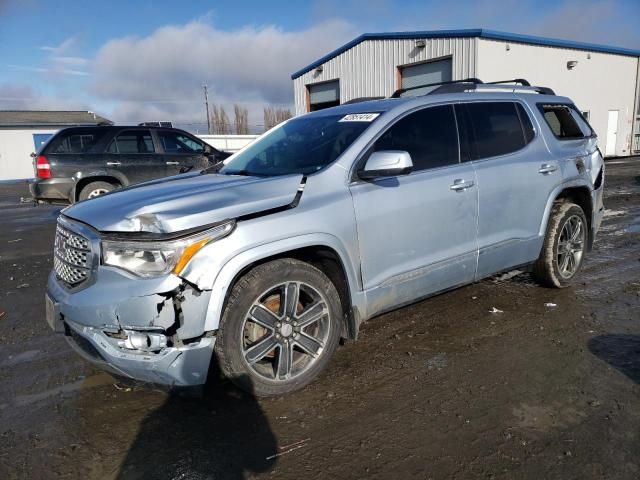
x: 22, y: 132
x: 603, y: 81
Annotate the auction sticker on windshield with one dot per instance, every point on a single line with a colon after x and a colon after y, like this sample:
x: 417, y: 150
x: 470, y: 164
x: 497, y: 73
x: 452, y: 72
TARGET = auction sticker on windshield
x: 359, y: 117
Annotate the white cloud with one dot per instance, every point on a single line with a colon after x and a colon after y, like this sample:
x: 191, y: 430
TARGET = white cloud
x: 162, y: 74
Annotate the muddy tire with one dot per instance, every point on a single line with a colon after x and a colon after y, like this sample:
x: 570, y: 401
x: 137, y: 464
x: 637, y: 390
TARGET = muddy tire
x: 95, y: 189
x: 564, y: 246
x: 280, y: 327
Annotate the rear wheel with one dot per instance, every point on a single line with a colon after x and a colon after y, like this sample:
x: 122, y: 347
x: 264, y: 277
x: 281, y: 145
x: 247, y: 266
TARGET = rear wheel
x: 280, y: 327
x: 564, y: 246
x: 95, y: 189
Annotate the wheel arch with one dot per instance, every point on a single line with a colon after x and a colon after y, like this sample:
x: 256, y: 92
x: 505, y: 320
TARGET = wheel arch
x: 83, y: 181
x: 322, y: 251
x: 577, y: 192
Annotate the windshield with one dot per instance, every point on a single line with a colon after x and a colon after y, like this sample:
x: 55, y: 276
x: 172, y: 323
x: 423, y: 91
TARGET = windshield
x: 302, y: 145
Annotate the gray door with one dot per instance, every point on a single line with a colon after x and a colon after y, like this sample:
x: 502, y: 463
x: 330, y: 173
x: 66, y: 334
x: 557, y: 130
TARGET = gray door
x: 425, y: 73
x: 324, y: 95
x: 516, y: 175
x: 133, y: 154
x: 417, y: 232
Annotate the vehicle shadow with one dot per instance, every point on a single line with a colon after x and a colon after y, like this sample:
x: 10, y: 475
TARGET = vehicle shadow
x: 621, y: 351
x: 223, y: 435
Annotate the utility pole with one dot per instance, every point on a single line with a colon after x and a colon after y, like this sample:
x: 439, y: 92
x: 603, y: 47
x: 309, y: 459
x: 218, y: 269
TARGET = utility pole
x: 206, y: 102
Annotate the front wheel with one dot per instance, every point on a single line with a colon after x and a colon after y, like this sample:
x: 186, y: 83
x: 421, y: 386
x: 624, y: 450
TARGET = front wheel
x: 564, y: 246
x: 280, y: 327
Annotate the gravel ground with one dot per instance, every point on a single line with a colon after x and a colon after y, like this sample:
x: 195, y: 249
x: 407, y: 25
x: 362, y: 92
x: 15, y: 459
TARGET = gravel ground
x: 549, y: 388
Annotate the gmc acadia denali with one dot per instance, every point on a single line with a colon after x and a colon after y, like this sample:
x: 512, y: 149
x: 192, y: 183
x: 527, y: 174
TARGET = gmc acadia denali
x: 329, y: 219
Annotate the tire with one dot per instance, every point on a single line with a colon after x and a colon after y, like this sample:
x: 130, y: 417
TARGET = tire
x: 548, y: 270
x: 244, y: 344
x: 95, y: 189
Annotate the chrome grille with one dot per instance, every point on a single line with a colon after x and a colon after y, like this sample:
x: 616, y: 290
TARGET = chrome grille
x: 72, y: 257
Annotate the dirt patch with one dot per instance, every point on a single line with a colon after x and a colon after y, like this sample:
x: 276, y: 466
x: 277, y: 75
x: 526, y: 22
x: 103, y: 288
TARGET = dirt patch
x: 440, y: 389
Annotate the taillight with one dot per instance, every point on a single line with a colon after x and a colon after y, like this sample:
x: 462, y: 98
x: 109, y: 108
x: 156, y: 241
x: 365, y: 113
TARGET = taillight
x: 43, y: 169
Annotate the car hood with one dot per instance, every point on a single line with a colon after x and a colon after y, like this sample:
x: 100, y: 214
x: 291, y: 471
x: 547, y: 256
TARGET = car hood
x: 184, y: 202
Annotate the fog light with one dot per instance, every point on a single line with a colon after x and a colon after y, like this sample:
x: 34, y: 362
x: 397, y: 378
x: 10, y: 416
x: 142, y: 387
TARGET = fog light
x: 144, y: 341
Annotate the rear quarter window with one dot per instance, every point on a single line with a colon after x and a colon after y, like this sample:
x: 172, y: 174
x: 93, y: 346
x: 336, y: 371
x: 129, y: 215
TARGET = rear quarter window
x: 565, y: 121
x: 75, y: 142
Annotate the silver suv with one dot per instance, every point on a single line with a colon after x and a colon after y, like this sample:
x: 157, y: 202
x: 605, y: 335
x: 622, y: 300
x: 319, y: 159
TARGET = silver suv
x: 329, y: 219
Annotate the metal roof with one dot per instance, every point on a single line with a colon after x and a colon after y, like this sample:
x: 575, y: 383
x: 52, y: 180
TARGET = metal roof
x: 23, y: 118
x: 466, y: 33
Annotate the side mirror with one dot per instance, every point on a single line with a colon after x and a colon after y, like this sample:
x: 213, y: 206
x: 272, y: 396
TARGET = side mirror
x: 387, y: 163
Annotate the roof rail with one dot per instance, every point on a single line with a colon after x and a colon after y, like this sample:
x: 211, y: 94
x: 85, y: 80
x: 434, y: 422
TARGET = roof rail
x: 474, y: 84
x: 466, y: 81
x: 361, y: 99
x: 521, y: 81
x: 525, y: 83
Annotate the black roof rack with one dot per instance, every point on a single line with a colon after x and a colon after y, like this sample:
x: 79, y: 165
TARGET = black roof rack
x: 525, y: 83
x: 361, y: 99
x: 466, y: 81
x: 458, y: 86
x: 521, y: 81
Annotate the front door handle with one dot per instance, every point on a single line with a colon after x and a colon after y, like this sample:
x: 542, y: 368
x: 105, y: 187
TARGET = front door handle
x: 173, y: 163
x: 547, y: 168
x: 113, y: 164
x: 460, y: 184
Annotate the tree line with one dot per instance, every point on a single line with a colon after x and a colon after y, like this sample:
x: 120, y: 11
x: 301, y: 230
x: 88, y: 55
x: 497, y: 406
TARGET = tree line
x: 222, y: 125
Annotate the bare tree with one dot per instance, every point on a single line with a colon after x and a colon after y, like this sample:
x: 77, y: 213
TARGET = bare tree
x: 283, y: 114
x: 273, y: 116
x: 220, y: 121
x: 241, y: 120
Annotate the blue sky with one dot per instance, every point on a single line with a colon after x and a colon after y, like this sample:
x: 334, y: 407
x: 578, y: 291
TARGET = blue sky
x: 138, y: 60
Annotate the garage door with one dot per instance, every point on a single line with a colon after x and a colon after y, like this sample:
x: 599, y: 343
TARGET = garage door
x: 423, y: 73
x: 324, y: 95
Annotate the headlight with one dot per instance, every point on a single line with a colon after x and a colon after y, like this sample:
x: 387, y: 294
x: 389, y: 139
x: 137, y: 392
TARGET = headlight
x: 154, y: 258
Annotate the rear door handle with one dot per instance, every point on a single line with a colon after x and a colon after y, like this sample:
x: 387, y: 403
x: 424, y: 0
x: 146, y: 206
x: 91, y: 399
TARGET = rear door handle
x: 173, y: 163
x: 459, y: 184
x: 547, y: 168
x: 113, y: 164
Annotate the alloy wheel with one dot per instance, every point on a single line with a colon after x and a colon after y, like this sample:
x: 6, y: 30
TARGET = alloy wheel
x: 285, y: 331
x: 570, y: 246
x: 97, y: 192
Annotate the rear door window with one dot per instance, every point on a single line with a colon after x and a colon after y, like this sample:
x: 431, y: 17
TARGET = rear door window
x: 175, y: 142
x: 429, y: 136
x: 527, y: 126
x: 564, y: 121
x: 132, y: 141
x: 496, y: 129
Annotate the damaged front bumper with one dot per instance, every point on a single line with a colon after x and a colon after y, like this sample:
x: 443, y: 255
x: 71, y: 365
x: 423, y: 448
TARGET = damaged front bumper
x: 101, y: 320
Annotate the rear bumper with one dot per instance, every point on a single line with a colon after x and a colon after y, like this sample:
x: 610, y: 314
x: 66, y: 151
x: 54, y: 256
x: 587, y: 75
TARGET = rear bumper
x: 53, y: 189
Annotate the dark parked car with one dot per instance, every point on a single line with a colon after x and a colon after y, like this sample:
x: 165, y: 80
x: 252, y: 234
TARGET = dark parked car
x: 83, y: 162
